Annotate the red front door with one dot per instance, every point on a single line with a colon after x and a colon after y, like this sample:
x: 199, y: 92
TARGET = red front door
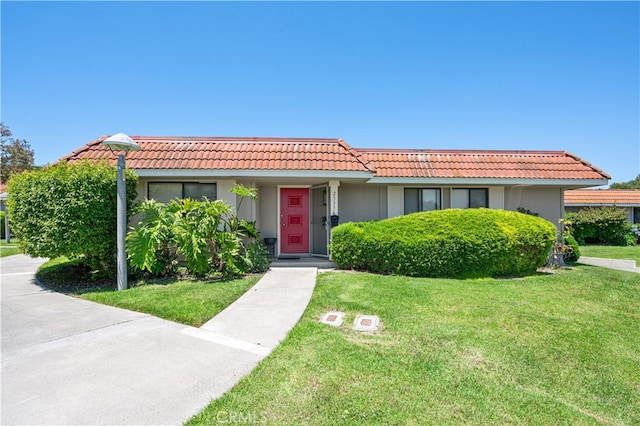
x: 294, y: 220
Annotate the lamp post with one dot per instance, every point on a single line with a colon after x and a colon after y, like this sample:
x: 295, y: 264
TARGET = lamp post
x: 121, y: 142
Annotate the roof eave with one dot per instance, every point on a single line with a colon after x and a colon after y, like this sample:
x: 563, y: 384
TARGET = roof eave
x: 242, y: 173
x: 565, y: 183
x: 600, y: 204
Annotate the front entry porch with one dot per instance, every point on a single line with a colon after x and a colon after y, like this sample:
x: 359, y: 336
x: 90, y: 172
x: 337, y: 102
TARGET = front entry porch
x: 322, y: 263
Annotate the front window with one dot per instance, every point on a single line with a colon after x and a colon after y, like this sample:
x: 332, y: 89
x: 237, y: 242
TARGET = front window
x: 421, y: 200
x: 164, y: 192
x: 469, y: 198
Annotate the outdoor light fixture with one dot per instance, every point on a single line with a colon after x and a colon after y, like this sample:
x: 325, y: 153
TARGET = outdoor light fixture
x: 121, y: 142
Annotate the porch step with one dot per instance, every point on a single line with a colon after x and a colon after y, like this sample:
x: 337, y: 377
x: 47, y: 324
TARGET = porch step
x: 303, y: 262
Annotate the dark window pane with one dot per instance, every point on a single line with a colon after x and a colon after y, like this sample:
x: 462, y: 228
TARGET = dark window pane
x: 460, y: 198
x: 196, y: 190
x: 430, y: 200
x: 164, y: 192
x: 411, y: 200
x: 478, y: 198
x: 209, y: 190
x: 192, y: 190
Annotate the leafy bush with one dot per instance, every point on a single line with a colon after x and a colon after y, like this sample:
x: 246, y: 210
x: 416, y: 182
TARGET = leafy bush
x: 602, y: 225
x: 445, y: 243
x: 198, y: 236
x: 206, y: 233
x: 69, y: 210
x: 151, y: 245
x: 571, y: 249
x: 2, y: 230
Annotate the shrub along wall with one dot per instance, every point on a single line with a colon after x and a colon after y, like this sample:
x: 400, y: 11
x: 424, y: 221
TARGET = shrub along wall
x: 445, y: 243
x: 601, y: 225
x: 210, y: 236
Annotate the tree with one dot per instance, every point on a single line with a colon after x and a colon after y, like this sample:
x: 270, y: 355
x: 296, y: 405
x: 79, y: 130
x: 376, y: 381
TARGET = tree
x: 632, y: 184
x: 16, y: 155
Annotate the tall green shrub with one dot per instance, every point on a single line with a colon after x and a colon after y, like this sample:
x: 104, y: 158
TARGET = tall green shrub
x: 601, y: 225
x: 445, y: 243
x: 68, y: 210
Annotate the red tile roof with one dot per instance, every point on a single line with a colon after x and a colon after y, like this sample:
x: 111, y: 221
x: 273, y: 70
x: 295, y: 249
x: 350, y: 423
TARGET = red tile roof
x: 480, y: 164
x: 602, y: 197
x: 220, y: 153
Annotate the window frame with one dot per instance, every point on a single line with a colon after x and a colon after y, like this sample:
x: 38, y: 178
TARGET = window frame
x: 420, y: 198
x: 182, y: 189
x: 469, y: 190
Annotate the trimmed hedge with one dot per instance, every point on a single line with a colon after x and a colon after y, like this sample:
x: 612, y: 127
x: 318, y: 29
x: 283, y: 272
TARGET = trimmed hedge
x: 69, y: 210
x: 601, y: 225
x: 445, y: 243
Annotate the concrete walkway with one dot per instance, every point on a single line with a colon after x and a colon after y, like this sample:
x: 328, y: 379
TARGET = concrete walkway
x: 70, y: 361
x: 622, y: 265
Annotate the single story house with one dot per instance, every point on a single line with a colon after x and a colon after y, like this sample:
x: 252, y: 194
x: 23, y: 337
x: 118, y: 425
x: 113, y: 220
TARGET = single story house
x: 306, y: 186
x: 629, y: 199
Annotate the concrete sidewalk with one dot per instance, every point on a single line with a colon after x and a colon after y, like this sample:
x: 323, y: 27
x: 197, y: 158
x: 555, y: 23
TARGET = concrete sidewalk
x: 70, y: 361
x: 621, y: 265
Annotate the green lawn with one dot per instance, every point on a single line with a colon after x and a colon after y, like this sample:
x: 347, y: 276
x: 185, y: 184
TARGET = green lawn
x: 547, y: 349
x: 8, y: 249
x: 190, y: 302
x: 612, y: 252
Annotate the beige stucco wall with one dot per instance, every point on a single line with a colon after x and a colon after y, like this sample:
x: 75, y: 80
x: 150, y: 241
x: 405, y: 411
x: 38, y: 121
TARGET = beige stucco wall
x: 496, y: 197
x: 267, y: 210
x: 247, y: 208
x: 547, y: 201
x: 362, y: 202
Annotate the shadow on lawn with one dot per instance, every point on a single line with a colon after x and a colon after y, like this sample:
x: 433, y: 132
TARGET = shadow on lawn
x: 75, y: 278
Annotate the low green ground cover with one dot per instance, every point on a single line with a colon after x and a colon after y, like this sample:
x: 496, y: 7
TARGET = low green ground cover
x: 612, y: 252
x: 190, y: 302
x: 544, y: 349
x: 9, y: 249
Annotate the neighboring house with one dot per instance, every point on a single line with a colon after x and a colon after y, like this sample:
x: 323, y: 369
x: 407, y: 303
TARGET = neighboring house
x: 305, y: 183
x: 3, y: 197
x: 629, y: 199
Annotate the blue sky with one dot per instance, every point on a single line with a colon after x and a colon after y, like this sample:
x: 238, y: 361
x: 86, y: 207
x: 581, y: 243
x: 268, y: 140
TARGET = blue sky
x: 456, y: 75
